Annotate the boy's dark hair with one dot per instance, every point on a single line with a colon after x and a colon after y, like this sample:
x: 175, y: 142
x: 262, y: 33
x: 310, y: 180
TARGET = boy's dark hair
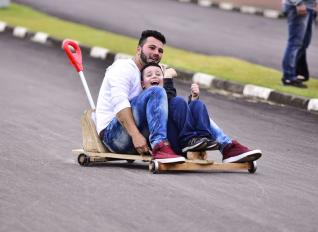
x: 146, y: 66
x: 151, y: 33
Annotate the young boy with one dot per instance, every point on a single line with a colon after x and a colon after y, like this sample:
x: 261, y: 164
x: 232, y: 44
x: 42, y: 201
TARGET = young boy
x: 190, y: 124
x: 188, y: 129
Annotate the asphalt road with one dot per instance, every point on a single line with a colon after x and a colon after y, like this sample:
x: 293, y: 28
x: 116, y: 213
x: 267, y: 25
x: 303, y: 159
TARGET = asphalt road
x: 42, y: 188
x: 209, y: 31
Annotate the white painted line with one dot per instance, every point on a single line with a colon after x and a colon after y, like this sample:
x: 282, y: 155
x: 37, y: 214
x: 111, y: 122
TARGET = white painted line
x: 226, y: 6
x: 204, y: 80
x: 313, y: 104
x: 205, y: 3
x: 3, y: 26
x: 122, y: 56
x: 98, y: 52
x: 248, y: 9
x: 20, y: 32
x: 256, y: 91
x: 274, y: 14
x: 40, y: 37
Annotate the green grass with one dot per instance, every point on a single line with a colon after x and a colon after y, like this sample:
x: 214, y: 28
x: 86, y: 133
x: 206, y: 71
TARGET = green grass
x: 226, y: 68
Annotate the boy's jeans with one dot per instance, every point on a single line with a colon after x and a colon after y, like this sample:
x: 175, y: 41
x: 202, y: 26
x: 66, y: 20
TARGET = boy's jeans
x: 150, y: 112
x: 188, y: 121
x: 299, y: 36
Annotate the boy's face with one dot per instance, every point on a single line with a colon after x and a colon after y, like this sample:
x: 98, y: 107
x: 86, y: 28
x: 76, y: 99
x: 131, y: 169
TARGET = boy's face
x: 152, y: 76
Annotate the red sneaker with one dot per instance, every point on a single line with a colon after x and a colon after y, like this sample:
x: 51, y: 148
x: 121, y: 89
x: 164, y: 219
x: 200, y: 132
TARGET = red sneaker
x: 237, y: 153
x: 163, y: 153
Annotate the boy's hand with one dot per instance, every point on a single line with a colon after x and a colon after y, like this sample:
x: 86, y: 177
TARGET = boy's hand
x: 195, y: 91
x: 170, y: 73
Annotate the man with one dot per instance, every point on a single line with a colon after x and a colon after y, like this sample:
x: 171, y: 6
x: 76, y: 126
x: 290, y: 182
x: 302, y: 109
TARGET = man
x: 126, y: 115
x: 300, y: 16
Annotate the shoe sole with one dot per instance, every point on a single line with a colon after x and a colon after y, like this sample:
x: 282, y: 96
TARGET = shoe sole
x: 197, y: 147
x: 245, y: 157
x: 172, y: 160
x: 301, y: 86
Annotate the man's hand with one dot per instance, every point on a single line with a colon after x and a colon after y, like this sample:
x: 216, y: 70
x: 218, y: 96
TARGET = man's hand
x: 301, y: 9
x: 170, y: 73
x: 195, y: 91
x: 140, y: 143
x: 126, y: 119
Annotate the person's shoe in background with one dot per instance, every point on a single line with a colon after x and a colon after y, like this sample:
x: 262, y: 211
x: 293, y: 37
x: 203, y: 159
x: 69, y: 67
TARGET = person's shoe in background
x: 302, y: 78
x: 295, y: 83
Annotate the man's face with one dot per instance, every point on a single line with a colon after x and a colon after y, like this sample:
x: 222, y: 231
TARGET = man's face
x: 151, y: 51
x: 152, y: 76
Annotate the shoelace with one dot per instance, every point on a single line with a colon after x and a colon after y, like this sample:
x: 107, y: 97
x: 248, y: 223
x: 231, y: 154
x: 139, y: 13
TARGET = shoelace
x: 193, y: 140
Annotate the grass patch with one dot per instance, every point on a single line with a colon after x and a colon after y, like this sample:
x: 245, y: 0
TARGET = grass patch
x: 223, y: 67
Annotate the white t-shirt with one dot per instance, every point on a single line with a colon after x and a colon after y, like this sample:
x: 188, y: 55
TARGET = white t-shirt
x: 121, y: 83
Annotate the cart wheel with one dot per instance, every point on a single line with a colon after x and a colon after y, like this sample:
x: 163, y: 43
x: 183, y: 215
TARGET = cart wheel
x: 130, y: 161
x: 253, y: 167
x: 154, y: 167
x: 83, y: 159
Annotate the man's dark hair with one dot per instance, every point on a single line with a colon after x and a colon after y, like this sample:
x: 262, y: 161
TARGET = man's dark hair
x: 146, y: 66
x: 151, y: 33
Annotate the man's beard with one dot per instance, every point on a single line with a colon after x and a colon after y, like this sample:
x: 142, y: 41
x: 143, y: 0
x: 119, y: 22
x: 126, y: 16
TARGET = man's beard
x: 143, y: 58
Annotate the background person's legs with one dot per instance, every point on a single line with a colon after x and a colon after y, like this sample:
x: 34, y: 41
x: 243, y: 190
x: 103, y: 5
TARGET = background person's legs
x: 302, y: 65
x: 296, y: 35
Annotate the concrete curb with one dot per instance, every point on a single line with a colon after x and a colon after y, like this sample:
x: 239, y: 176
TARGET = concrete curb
x: 205, y: 80
x: 268, y: 13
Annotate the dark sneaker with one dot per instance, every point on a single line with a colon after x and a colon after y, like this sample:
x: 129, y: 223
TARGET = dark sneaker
x: 195, y: 144
x: 163, y: 153
x: 237, y: 153
x: 296, y: 83
x: 302, y: 78
x: 212, y: 145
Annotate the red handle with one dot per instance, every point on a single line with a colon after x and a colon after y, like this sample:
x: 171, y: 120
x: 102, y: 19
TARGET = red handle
x: 75, y: 57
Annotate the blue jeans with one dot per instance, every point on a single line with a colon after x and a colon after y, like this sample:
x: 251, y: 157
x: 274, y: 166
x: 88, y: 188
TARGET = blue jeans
x: 299, y: 37
x: 150, y: 112
x: 188, y: 121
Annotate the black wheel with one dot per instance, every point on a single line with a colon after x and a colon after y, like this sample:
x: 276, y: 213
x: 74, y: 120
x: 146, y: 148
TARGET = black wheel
x: 154, y: 167
x: 130, y: 161
x: 253, y: 167
x: 83, y: 159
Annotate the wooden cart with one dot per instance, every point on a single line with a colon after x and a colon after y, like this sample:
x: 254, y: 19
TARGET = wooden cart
x: 95, y: 152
